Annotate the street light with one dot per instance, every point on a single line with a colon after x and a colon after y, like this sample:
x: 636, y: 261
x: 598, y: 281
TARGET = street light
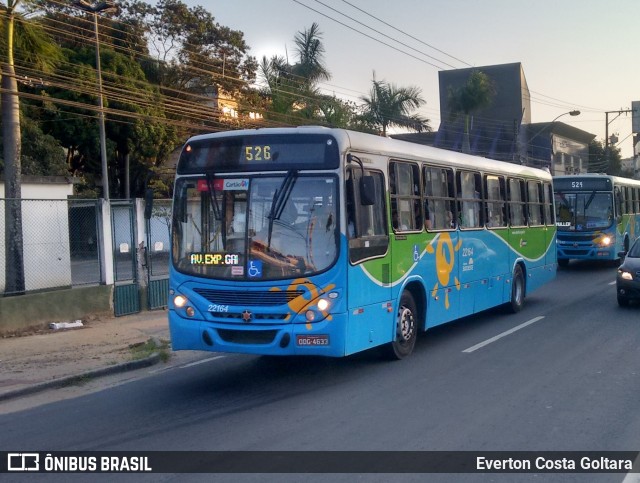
x: 570, y: 113
x: 96, y: 8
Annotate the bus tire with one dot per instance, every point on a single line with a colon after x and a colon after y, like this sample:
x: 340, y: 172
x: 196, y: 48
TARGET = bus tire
x: 406, y: 331
x: 517, y: 290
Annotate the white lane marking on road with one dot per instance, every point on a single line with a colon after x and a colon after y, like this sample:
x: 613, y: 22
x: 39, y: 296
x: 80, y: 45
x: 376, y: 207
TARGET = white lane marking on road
x: 201, y: 361
x: 612, y: 283
x: 500, y: 336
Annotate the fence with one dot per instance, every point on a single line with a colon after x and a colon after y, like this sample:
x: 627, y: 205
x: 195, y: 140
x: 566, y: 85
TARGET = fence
x: 70, y: 243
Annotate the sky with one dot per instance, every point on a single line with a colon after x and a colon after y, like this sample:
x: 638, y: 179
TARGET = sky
x: 576, y: 54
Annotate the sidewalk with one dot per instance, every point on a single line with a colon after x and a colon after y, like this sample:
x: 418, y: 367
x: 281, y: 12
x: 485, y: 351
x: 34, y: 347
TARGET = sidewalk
x: 52, y: 358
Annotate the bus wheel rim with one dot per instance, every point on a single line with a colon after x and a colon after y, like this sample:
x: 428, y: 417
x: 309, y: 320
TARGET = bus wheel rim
x: 406, y: 324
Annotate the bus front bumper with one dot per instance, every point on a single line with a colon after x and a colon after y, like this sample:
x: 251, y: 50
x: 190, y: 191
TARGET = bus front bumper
x: 324, y: 338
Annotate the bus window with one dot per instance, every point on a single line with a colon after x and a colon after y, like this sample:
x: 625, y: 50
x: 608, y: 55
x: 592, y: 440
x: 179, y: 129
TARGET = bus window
x: 469, y: 199
x: 496, y: 195
x: 439, y: 198
x: 404, y: 185
x: 369, y: 236
x: 619, y: 202
x: 548, y: 203
x: 534, y: 199
x: 515, y: 194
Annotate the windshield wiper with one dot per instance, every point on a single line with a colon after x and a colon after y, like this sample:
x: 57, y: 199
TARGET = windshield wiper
x: 280, y: 198
x: 591, y: 197
x: 217, y: 212
x: 215, y: 206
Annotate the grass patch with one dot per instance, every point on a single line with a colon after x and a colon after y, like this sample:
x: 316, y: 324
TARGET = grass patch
x: 143, y: 350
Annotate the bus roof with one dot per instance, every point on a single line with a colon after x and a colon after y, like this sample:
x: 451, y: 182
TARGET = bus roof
x: 393, y: 148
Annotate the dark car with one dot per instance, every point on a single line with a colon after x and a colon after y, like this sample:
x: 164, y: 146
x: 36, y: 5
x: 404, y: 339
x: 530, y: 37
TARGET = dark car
x: 628, y: 279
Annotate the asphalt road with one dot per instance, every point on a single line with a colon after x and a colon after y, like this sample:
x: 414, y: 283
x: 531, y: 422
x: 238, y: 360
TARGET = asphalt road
x: 562, y: 375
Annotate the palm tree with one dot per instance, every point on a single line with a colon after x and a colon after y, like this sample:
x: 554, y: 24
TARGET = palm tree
x: 294, y: 87
x: 477, y: 93
x: 310, y: 68
x: 388, y: 105
x: 41, y: 53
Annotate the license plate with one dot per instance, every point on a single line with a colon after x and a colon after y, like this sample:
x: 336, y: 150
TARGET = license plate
x: 312, y: 340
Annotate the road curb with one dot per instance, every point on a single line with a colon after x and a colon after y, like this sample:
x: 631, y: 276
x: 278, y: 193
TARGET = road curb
x: 79, y: 378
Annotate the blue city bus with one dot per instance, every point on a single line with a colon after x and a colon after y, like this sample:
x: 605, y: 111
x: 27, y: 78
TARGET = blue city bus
x: 597, y: 216
x: 327, y: 242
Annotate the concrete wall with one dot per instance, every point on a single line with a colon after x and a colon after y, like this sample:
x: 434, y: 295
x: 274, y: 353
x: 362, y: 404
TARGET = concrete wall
x: 45, y: 231
x: 36, y: 309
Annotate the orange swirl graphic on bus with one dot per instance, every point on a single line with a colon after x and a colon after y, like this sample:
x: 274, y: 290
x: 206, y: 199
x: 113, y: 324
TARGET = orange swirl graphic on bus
x: 311, y: 292
x: 445, y: 262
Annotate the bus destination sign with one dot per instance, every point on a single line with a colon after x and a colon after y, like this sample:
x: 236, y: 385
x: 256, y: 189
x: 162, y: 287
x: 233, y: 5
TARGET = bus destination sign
x: 582, y: 184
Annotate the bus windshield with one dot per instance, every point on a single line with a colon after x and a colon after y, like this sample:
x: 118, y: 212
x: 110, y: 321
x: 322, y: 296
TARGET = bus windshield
x: 255, y: 227
x: 582, y: 211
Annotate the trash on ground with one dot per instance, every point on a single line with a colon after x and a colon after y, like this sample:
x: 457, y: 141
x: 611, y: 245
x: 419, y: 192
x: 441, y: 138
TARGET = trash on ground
x: 65, y: 325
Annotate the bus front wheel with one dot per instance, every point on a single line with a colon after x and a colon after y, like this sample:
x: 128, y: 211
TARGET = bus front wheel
x: 406, y: 328
x: 517, y: 290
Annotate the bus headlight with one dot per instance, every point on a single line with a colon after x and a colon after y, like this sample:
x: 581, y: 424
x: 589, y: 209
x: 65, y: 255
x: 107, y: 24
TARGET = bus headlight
x: 319, y: 312
x: 606, y: 241
x: 180, y: 301
x: 323, y: 304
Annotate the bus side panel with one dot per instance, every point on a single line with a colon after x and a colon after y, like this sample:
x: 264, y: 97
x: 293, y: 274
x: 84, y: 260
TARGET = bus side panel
x: 370, y: 315
x: 485, y: 264
x: 439, y: 269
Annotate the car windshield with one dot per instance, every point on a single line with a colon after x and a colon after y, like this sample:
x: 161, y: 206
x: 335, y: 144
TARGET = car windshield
x: 580, y: 211
x: 257, y: 228
x: 634, y: 252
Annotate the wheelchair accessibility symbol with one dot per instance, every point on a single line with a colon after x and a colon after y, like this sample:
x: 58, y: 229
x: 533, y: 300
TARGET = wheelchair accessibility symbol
x: 416, y: 253
x: 255, y: 269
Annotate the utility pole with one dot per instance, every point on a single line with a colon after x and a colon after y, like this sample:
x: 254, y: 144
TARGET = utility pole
x: 606, y: 130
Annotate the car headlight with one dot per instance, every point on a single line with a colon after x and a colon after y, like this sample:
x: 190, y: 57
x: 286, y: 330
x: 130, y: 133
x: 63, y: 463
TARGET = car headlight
x: 625, y: 275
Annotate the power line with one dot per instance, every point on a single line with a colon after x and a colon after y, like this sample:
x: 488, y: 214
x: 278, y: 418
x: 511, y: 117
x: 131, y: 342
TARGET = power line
x: 405, y: 33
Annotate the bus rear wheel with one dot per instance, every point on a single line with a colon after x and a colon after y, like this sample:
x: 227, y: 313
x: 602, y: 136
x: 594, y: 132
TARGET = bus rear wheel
x: 517, y: 290
x: 406, y: 328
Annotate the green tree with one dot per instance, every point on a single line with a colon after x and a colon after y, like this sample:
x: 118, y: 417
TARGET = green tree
x: 279, y: 87
x: 139, y: 135
x: 336, y: 112
x: 477, y: 93
x: 197, y: 57
x: 35, y: 49
x: 604, y: 161
x: 293, y: 88
x: 388, y: 105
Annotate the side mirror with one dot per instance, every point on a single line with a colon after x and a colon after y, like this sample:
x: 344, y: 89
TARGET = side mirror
x: 148, y: 203
x: 622, y: 254
x: 367, y: 191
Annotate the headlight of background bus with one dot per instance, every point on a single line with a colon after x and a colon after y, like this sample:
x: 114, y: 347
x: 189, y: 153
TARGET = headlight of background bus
x: 606, y: 241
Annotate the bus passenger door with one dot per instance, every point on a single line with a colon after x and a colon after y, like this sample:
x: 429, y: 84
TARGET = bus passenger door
x: 369, y: 318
